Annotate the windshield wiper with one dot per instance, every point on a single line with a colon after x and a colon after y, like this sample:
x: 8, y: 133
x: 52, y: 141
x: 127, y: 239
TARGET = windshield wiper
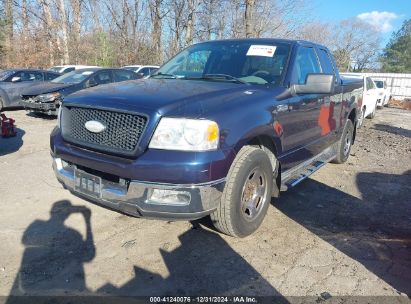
x: 221, y: 76
x: 164, y: 74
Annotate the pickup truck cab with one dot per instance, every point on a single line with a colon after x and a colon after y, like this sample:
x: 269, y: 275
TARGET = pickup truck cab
x: 219, y: 130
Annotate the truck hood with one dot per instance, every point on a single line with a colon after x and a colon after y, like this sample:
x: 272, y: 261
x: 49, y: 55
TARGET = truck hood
x: 45, y: 87
x: 166, y: 96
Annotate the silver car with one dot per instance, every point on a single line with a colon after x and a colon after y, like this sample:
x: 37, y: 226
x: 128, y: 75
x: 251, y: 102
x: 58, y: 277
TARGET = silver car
x: 14, y: 81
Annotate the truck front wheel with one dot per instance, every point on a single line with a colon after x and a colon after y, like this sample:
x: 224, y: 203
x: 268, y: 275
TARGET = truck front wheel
x: 246, y: 195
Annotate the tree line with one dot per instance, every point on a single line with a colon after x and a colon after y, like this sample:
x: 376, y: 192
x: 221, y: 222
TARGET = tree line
x: 43, y: 33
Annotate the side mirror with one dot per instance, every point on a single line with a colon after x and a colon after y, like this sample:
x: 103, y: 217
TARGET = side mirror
x: 316, y: 84
x: 91, y: 83
x: 140, y: 75
x: 16, y: 79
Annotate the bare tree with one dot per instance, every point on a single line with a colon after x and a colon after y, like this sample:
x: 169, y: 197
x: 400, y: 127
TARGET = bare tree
x: 9, y: 21
x: 355, y: 44
x: 76, y: 5
x: 248, y: 18
x: 191, y: 11
x: 64, y: 32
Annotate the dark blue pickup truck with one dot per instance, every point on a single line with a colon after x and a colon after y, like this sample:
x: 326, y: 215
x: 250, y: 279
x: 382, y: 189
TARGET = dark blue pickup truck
x: 219, y: 130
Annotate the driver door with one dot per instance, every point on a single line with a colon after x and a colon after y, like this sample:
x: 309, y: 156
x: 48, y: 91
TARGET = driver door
x: 301, y: 130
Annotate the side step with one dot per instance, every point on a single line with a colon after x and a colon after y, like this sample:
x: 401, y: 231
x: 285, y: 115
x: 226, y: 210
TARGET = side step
x: 295, y: 175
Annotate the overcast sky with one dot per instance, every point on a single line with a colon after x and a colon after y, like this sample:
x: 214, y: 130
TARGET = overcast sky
x: 386, y: 15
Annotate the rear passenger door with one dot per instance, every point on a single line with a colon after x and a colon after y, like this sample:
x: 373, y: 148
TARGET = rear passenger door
x: 301, y: 130
x: 331, y: 117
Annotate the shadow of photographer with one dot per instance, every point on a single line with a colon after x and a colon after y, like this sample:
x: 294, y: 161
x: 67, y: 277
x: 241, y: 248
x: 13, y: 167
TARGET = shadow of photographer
x: 54, y: 254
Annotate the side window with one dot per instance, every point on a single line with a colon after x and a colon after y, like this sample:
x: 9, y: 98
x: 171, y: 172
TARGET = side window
x: 103, y: 77
x: 50, y: 76
x: 369, y: 83
x: 66, y: 70
x: 306, y: 62
x: 123, y: 75
x: 144, y: 71
x: 29, y: 76
x: 326, y: 62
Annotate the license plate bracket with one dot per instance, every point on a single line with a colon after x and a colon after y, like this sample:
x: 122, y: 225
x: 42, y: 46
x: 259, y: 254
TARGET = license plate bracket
x: 87, y: 183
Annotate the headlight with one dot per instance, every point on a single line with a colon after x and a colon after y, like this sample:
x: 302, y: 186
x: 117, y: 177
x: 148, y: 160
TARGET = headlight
x: 48, y: 97
x: 185, y: 135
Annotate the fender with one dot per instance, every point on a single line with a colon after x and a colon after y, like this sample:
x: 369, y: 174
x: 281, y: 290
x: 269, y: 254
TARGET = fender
x: 4, y: 98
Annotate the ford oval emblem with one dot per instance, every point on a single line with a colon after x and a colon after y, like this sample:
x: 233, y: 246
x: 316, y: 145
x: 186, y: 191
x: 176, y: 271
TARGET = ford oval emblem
x: 94, y: 126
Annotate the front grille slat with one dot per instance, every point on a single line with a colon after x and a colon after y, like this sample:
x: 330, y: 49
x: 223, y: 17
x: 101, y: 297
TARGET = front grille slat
x: 122, y: 134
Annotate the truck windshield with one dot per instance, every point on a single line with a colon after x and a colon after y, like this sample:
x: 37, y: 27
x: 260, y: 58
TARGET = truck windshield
x: 231, y: 61
x: 76, y: 76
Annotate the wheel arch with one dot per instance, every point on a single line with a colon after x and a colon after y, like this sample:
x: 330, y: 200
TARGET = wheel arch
x: 272, y: 147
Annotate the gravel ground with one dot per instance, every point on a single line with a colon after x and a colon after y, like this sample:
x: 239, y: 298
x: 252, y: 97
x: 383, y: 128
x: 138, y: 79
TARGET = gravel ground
x: 345, y: 231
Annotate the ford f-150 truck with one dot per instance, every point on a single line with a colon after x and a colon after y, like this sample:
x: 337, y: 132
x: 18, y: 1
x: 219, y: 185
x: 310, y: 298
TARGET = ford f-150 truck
x: 218, y: 130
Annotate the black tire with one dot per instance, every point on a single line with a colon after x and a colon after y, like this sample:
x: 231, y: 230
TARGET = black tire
x: 344, y: 144
x: 372, y: 115
x: 237, y: 215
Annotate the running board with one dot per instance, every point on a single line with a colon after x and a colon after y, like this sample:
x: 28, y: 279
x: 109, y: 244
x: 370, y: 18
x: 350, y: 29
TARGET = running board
x: 295, y: 175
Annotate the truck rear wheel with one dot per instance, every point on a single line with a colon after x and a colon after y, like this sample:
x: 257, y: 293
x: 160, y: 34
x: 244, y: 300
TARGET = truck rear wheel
x: 246, y: 195
x: 345, y: 143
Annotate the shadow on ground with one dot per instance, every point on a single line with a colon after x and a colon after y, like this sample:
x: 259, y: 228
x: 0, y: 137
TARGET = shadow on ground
x: 41, y: 115
x: 393, y: 130
x: 204, y: 264
x: 11, y: 144
x: 374, y: 230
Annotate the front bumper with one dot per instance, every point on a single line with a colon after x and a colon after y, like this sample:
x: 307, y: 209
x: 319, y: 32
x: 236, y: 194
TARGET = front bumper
x: 50, y: 108
x: 133, y: 198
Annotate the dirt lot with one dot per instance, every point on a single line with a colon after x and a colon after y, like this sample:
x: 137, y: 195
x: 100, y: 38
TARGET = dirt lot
x: 345, y: 231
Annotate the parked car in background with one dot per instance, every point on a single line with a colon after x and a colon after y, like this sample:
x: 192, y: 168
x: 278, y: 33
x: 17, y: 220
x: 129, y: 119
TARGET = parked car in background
x: 218, y: 130
x: 46, y: 97
x: 142, y: 71
x: 13, y: 81
x: 368, y: 106
x: 63, y: 69
x: 382, y: 92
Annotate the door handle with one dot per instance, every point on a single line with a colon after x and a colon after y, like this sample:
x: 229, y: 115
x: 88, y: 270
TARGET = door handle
x: 282, y: 108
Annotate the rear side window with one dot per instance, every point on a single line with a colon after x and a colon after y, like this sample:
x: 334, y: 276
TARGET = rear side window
x: 67, y: 70
x: 123, y: 75
x: 144, y: 71
x: 51, y: 76
x: 326, y: 62
x: 306, y: 62
x: 103, y: 77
